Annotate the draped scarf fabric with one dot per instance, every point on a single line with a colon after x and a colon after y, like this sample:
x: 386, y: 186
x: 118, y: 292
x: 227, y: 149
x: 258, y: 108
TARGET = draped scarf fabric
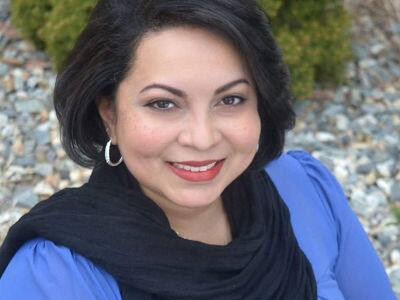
x: 112, y: 223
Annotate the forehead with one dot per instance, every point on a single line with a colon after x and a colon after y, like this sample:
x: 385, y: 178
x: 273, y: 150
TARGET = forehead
x: 190, y: 51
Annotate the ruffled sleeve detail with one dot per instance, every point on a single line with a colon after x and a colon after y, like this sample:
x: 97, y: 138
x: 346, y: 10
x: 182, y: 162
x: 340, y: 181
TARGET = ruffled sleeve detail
x: 328, y: 189
x: 43, y: 270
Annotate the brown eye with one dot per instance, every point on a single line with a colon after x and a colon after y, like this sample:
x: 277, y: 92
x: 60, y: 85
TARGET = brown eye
x: 232, y: 100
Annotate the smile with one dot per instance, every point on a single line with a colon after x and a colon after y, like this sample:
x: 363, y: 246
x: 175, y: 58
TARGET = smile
x: 195, y: 170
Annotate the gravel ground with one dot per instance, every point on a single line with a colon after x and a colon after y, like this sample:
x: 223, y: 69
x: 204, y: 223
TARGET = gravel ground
x: 354, y: 130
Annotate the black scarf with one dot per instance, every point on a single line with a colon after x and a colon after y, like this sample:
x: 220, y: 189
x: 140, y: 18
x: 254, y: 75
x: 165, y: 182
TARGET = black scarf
x: 112, y: 223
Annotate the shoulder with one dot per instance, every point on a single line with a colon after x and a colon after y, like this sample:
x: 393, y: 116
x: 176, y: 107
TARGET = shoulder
x: 301, y: 167
x: 306, y: 175
x: 315, y: 179
x: 42, y: 269
x: 312, y: 196
x: 305, y: 183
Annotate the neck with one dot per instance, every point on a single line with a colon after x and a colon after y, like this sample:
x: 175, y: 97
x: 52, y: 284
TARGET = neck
x: 209, y: 224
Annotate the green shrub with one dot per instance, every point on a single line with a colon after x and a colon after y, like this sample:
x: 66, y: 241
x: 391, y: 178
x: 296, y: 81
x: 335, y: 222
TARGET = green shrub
x: 314, y: 35
x: 396, y: 212
x: 53, y: 25
x: 63, y: 25
x: 30, y: 17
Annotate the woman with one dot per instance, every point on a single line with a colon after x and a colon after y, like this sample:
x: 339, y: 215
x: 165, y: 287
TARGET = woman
x: 182, y: 107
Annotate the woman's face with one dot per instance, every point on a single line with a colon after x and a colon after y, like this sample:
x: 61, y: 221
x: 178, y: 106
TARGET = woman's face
x: 185, y: 118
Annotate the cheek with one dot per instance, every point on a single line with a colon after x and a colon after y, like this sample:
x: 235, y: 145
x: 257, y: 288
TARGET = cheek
x: 140, y: 137
x: 245, y: 132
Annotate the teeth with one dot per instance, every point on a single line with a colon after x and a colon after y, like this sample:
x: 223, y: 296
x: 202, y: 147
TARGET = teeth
x: 195, y: 169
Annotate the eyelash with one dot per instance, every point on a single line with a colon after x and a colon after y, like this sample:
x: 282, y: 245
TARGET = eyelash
x: 165, y: 101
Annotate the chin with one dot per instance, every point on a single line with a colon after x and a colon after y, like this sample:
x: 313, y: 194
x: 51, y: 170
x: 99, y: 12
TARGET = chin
x: 191, y: 200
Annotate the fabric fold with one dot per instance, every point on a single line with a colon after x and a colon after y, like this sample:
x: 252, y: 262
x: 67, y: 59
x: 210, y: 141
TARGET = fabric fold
x: 112, y: 223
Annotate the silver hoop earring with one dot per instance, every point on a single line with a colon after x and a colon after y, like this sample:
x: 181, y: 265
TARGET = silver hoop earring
x: 107, y: 156
x: 258, y: 146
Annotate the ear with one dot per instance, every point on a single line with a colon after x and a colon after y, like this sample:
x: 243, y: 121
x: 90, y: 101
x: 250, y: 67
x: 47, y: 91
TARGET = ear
x: 107, y: 112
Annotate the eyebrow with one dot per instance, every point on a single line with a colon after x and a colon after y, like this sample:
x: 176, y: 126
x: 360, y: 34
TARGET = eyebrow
x: 182, y: 94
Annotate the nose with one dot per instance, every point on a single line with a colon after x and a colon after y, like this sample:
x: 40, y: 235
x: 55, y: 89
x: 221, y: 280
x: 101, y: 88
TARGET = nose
x: 199, y: 132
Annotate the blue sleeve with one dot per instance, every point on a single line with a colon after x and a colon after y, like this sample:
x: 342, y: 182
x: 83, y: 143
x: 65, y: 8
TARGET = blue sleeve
x: 358, y: 269
x: 41, y: 270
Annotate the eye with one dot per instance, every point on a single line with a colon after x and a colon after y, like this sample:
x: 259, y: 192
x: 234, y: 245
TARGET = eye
x: 162, y: 104
x: 232, y: 100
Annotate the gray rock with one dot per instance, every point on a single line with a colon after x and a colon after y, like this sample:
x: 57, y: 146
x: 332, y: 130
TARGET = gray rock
x: 43, y: 169
x: 3, y: 120
x: 395, y: 192
x: 44, y: 189
x: 328, y: 162
x: 325, y: 137
x: 394, y: 274
x: 32, y: 82
x: 365, y: 168
x: 333, y: 110
x: 351, y: 180
x: 395, y: 256
x: 394, y: 151
x: 42, y: 135
x: 342, y: 122
x: 8, y: 132
x: 29, y: 146
x: 358, y: 202
x: 380, y: 156
x: 10, y: 53
x: 3, y: 69
x: 370, y: 109
x: 3, y: 97
x: 345, y: 140
x: 367, y: 63
x: 360, y: 51
x: 391, y: 139
x: 28, y: 160
x: 29, y: 106
x: 5, y: 150
x: 356, y: 95
x: 25, y: 197
x: 19, y: 83
x: 377, y: 94
x: 51, y: 155
x: 385, y: 185
x: 45, y: 98
x: 387, y: 168
x: 395, y: 69
x: 365, y: 80
x: 377, y: 198
x: 64, y: 174
x: 385, y: 239
x: 394, y: 27
x: 4, y: 9
x: 377, y: 48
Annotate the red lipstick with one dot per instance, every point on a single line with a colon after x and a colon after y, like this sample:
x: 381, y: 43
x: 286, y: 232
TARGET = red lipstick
x: 200, y: 175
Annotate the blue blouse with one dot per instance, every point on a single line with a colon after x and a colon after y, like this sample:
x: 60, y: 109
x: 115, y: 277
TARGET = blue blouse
x: 345, y: 264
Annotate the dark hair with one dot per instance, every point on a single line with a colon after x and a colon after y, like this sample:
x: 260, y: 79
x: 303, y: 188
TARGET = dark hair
x: 105, y: 50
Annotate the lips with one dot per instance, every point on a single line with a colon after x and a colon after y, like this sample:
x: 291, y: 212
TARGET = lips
x: 196, y: 171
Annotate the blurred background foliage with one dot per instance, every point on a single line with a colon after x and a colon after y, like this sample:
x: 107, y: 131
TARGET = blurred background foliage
x: 314, y: 35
